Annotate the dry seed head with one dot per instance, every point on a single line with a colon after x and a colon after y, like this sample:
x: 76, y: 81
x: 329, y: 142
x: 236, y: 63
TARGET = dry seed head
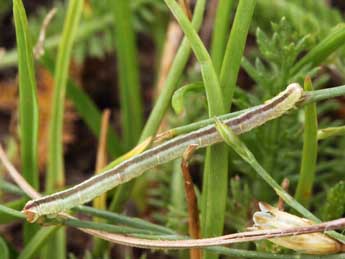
x: 269, y: 218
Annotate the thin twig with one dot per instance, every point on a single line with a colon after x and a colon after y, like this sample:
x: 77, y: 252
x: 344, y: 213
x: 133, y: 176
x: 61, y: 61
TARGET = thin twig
x: 101, y: 160
x: 221, y: 240
x: 285, y: 186
x: 173, y: 39
x: 17, y: 177
x: 193, y: 212
x: 39, y: 48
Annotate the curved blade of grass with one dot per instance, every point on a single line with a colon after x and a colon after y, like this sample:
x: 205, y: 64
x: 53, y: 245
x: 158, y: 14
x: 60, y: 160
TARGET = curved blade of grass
x: 28, y: 104
x: 309, y: 157
x: 4, y: 253
x: 216, y: 165
x: 234, y: 49
x: 55, y: 172
x: 178, y: 97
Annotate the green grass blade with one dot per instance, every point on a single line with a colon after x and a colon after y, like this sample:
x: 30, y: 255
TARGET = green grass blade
x: 234, y: 49
x: 330, y: 132
x: 55, y: 173
x: 28, y: 104
x: 216, y: 165
x: 38, y: 241
x: 163, y: 101
x: 4, y: 252
x: 128, y: 71
x: 220, y: 32
x: 14, y: 206
x: 175, y: 73
x: 309, y: 157
x: 55, y: 178
x: 11, y: 212
x: 129, y: 85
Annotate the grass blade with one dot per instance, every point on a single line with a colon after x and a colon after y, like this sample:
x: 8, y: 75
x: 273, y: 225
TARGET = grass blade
x: 163, y: 101
x: 215, y: 186
x: 28, y: 104
x: 220, y: 31
x: 234, y: 49
x: 309, y: 157
x: 128, y: 71
x: 55, y: 173
x: 37, y: 241
x: 175, y: 73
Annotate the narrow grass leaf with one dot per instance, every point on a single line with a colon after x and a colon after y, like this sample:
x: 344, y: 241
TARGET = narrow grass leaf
x: 28, y: 104
x: 129, y: 85
x: 234, y: 49
x: 309, y: 153
x: 55, y: 173
x: 37, y: 241
x: 216, y: 165
x: 178, y: 97
x: 128, y: 72
x: 11, y: 212
x: 4, y: 252
x: 55, y: 178
x: 220, y: 32
x: 174, y: 75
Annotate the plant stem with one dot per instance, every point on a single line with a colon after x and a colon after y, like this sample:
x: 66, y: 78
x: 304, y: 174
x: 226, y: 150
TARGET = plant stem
x: 220, y: 31
x: 309, y: 157
x: 55, y: 173
x: 234, y: 49
x: 28, y: 104
x: 128, y: 71
x: 215, y: 186
x: 172, y: 80
x: 163, y: 101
